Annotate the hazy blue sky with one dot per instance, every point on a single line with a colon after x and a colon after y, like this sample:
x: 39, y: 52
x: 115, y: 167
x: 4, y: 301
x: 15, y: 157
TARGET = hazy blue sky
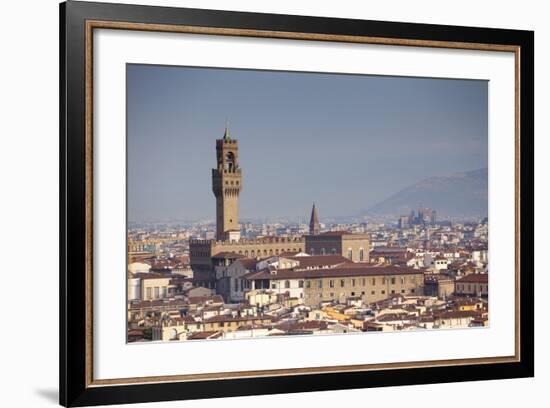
x: 343, y: 141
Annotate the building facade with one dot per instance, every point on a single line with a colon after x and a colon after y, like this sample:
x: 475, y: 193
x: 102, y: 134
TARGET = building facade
x: 355, y: 247
x: 475, y: 284
x: 314, y: 286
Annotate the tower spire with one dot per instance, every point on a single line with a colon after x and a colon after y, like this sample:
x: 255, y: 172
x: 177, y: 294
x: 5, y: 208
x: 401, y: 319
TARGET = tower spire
x: 314, y: 227
x: 226, y: 133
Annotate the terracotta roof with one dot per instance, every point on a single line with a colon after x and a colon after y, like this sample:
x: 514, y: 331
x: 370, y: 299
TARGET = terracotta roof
x: 359, y: 270
x: 390, y: 317
x: 205, y: 335
x: 310, y: 325
x: 248, y: 263
x: 455, y: 314
x: 475, y: 278
x: 215, y: 319
x: 319, y: 260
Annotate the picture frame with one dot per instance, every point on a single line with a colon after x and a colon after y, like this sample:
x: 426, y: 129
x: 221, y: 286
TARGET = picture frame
x: 79, y: 20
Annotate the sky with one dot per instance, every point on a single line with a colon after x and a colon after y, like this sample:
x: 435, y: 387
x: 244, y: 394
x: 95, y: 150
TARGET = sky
x: 345, y: 142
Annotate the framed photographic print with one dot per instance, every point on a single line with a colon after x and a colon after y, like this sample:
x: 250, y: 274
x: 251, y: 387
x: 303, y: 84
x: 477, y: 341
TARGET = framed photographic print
x: 256, y: 203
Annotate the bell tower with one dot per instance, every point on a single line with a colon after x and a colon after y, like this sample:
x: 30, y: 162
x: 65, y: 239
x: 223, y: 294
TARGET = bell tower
x: 227, y: 185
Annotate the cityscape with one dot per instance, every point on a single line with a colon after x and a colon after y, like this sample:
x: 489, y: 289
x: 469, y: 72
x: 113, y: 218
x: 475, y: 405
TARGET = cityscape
x: 327, y: 204
x: 232, y: 280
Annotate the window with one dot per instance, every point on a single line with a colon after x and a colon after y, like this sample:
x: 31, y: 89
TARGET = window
x: 350, y: 253
x: 402, y: 281
x: 148, y: 293
x: 319, y: 283
x: 230, y: 161
x: 342, y: 283
x: 156, y: 291
x: 361, y: 255
x: 308, y: 284
x: 352, y: 293
x: 363, y: 281
x: 301, y: 284
x: 373, y: 292
x: 373, y: 281
x: 383, y: 292
x: 312, y: 251
x: 353, y: 282
x: 393, y: 281
x: 384, y: 281
x: 402, y: 290
x: 323, y: 251
x: 164, y: 291
x: 333, y: 251
x: 273, y: 285
x: 412, y: 290
x: 363, y: 293
x: 287, y: 284
x: 236, y: 285
x: 331, y: 294
x: 393, y: 291
x: 331, y: 283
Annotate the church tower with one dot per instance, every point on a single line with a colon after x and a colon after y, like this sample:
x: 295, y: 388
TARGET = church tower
x: 314, y: 227
x: 227, y: 185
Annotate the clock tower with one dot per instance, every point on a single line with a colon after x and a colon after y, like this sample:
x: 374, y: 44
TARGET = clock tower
x: 227, y: 185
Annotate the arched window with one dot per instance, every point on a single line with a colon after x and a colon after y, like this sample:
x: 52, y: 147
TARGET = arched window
x: 287, y: 284
x: 230, y: 161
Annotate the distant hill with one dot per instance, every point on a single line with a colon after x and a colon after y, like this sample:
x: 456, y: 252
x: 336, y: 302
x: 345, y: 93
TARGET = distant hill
x: 456, y: 195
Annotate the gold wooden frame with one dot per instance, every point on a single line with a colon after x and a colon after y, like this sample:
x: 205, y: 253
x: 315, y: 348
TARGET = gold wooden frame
x: 99, y: 24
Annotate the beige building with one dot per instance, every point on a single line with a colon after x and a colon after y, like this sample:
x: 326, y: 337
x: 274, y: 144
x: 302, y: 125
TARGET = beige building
x: 439, y: 285
x: 230, y: 323
x: 355, y: 247
x: 475, y: 284
x: 155, y: 287
x: 370, y: 283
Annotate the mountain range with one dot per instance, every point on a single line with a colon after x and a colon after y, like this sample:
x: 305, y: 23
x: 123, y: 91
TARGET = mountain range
x: 463, y: 194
